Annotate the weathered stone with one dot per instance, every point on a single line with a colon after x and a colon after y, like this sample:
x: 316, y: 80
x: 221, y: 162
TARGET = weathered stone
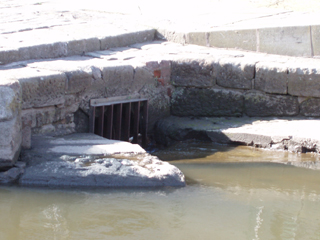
x: 264, y: 105
x: 11, y: 175
x: 292, y: 41
x: 310, y: 107
x: 304, y: 79
x: 54, y: 50
x: 78, y: 81
x: 118, y: 79
x: 44, y: 116
x: 142, y: 76
x: 43, y: 89
x: 127, y: 39
x: 8, y: 56
x: 10, y: 141
x: 197, y: 38
x: 206, y: 102
x: 271, y: 77
x: 192, y: 73
x: 171, y: 35
x: 244, y: 39
x: 315, y: 31
x: 235, y: 72
x: 10, y: 104
x: 26, y: 130
x: 57, y: 162
x: 78, y: 47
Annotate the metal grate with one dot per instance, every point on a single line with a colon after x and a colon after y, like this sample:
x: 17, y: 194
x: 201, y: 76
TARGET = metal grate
x: 124, y: 119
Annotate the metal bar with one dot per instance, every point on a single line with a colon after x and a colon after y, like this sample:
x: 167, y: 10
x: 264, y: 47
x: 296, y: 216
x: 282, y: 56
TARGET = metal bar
x: 100, y: 121
x: 92, y: 119
x: 126, y: 124
x: 136, y: 117
x: 117, y: 124
x: 144, y: 126
x: 108, y: 122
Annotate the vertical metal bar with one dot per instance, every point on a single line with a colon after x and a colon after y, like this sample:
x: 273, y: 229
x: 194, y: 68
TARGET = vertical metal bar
x: 117, y: 124
x: 144, y: 126
x: 126, y: 124
x: 108, y: 122
x: 100, y: 121
x: 92, y: 119
x: 136, y: 117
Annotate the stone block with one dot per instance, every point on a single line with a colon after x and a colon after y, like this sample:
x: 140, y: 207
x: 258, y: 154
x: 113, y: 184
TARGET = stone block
x: 264, y: 105
x: 78, y: 81
x: 10, y: 96
x: 197, y: 38
x: 43, y: 116
x: 127, y: 39
x: 315, y: 31
x: 304, y: 79
x: 235, y: 72
x: 292, y: 41
x: 78, y: 47
x: 118, y: 79
x: 271, y: 77
x: 244, y: 39
x: 310, y: 107
x: 171, y: 35
x: 53, y: 50
x: 10, y: 141
x: 192, y: 73
x: 43, y: 88
x: 9, y: 56
x: 206, y: 102
x: 142, y: 76
x: 26, y: 131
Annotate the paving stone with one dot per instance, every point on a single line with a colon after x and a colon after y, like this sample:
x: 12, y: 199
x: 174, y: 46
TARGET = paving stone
x: 292, y: 41
x: 244, y: 39
x: 271, y: 77
x: 264, y: 105
x: 206, y: 102
x: 235, y: 72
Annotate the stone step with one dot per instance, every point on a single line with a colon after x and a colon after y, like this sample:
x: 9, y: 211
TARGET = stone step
x: 52, y: 95
x: 282, y: 33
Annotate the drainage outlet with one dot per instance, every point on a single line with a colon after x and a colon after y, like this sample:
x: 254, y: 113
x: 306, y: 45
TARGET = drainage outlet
x: 120, y: 119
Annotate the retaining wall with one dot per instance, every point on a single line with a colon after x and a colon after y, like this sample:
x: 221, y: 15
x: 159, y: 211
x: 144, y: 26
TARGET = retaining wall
x: 52, y: 96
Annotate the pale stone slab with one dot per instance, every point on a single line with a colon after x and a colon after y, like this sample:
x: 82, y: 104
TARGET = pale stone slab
x: 244, y: 39
x: 197, y: 38
x: 315, y: 31
x: 271, y: 77
x: 292, y: 41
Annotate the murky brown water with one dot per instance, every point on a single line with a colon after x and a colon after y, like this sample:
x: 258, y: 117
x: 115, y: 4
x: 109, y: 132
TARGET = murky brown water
x: 224, y: 199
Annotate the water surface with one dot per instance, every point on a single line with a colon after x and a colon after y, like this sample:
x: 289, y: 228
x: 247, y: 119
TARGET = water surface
x: 232, y: 193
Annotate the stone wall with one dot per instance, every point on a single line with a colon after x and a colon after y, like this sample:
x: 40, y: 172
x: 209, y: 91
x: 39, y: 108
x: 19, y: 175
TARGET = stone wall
x: 243, y: 85
x: 52, y: 96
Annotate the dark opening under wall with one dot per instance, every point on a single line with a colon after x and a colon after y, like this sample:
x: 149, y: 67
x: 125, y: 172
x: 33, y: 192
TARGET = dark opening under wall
x: 124, y: 119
